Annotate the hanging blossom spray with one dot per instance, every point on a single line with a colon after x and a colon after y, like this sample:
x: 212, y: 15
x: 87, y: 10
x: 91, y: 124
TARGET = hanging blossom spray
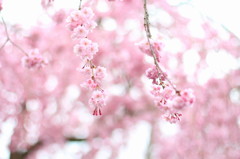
x: 169, y: 99
x: 81, y: 23
x: 33, y: 59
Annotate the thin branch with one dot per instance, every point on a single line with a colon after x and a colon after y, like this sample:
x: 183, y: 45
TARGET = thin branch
x: 76, y: 139
x: 150, y: 144
x: 80, y: 5
x: 9, y: 39
x: 5, y: 27
x: 149, y: 36
x: 18, y: 47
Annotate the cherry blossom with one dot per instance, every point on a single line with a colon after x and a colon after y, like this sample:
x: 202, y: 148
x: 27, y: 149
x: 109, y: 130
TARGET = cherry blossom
x: 88, y: 90
x: 34, y: 60
x: 81, y: 22
x: 97, y: 101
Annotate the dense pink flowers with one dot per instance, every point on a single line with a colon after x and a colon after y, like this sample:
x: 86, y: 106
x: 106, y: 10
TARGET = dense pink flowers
x: 152, y: 73
x: 100, y: 73
x: 166, y: 96
x: 173, y: 117
x: 156, y: 46
x: 93, y: 76
x: 81, y: 23
x: 97, y: 101
x: 44, y: 111
x: 155, y: 75
x: 80, y: 32
x: 170, y: 102
x: 34, y: 60
x: 188, y: 96
x: 86, y: 49
x: 83, y: 18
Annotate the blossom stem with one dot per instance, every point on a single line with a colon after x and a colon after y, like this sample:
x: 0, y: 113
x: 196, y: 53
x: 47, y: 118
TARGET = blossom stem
x: 149, y: 36
x: 80, y: 5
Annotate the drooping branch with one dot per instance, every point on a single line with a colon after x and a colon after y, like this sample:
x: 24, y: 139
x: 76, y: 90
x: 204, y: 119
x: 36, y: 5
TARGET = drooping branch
x: 149, y: 36
x: 23, y: 155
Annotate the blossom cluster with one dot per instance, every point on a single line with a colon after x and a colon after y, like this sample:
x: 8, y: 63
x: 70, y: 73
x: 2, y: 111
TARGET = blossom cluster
x: 81, y: 18
x: 170, y: 100
x: 81, y: 23
x: 34, y: 60
x: 154, y: 46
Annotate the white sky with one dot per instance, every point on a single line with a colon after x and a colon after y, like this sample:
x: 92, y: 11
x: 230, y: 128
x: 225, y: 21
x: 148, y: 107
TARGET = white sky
x: 26, y: 12
x: 226, y: 12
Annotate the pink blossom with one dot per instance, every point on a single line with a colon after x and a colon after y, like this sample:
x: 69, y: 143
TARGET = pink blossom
x: 34, y: 60
x: 162, y: 104
x: 83, y: 18
x: 75, y: 19
x: 78, y: 49
x: 178, y: 103
x: 163, y: 76
x: 90, y: 25
x: 152, y: 73
x: 100, y: 73
x: 85, y: 42
x: 173, y: 117
x: 188, y: 96
x: 97, y: 101
x: 76, y: 16
x: 156, y: 90
x: 86, y: 49
x: 163, y: 96
x: 90, y: 84
x: 87, y: 13
x: 80, y: 32
x: 93, y: 48
x: 47, y: 106
x: 71, y: 24
x: 156, y: 47
x: 144, y: 47
x: 168, y: 93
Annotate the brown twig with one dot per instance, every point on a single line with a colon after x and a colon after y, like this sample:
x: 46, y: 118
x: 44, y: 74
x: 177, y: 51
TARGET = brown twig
x: 80, y: 5
x: 36, y: 146
x: 149, y: 36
